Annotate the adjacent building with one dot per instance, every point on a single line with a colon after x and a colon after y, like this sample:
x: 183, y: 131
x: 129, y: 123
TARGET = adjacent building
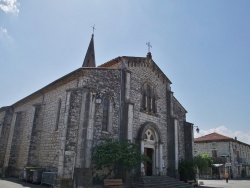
x: 229, y: 155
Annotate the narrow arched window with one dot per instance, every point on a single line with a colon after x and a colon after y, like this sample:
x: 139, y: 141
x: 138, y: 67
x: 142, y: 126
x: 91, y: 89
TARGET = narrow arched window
x: 144, y: 99
x: 105, y: 115
x: 58, y: 112
x: 154, y: 107
x: 149, y: 97
x: 148, y: 100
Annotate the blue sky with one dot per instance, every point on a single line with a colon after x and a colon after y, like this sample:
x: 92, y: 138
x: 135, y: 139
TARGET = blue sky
x: 203, y: 47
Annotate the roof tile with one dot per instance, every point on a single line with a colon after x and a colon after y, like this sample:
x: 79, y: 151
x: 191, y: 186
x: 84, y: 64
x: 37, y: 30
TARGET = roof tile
x: 212, y: 137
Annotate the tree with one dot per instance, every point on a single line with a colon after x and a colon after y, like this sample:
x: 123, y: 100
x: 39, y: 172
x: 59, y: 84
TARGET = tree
x: 187, y: 168
x: 203, y: 161
x: 113, y: 154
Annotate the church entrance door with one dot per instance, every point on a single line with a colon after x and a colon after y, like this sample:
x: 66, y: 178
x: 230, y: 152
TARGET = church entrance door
x: 149, y: 166
x: 151, y: 146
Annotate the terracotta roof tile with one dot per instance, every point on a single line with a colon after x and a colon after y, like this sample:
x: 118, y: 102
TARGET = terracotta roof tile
x: 212, y: 137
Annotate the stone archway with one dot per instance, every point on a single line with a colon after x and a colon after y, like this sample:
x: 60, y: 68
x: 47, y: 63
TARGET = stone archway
x: 149, y: 150
x: 150, y: 142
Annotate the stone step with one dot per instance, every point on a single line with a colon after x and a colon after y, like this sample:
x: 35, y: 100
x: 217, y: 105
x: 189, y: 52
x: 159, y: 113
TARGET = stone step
x: 163, y: 186
x: 158, y: 182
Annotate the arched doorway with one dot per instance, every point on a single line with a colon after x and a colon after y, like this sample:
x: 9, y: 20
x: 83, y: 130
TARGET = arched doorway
x: 151, y: 145
x: 149, y: 150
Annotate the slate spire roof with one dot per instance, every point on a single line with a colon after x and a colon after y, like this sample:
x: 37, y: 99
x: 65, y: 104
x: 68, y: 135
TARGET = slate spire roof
x: 89, y: 60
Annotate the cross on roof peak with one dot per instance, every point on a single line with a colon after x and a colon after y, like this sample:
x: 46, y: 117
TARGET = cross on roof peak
x: 93, y: 27
x: 149, y: 46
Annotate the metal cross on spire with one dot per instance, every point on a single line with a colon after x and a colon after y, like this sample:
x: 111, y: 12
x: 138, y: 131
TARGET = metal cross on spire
x: 149, y: 46
x: 93, y: 27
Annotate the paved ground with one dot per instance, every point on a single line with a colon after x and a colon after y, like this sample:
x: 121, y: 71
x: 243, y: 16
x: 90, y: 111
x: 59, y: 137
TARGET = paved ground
x: 16, y: 183
x: 235, y: 183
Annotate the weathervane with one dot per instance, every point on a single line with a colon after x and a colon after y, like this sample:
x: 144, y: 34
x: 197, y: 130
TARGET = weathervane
x: 149, y: 46
x: 93, y: 27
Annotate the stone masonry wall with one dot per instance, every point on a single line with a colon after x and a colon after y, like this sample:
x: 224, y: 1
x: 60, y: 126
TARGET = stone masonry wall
x: 107, y: 84
x: 36, y: 133
x: 180, y: 114
x: 39, y: 144
x: 72, y: 132
x: 228, y: 148
x: 142, y: 72
x: 223, y: 148
x: 50, y: 142
x: 5, y: 121
x: 17, y: 145
x: 21, y: 137
x: 38, y: 141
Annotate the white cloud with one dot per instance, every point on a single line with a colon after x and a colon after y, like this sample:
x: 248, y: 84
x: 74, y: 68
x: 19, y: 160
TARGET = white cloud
x: 241, y: 136
x: 4, y: 34
x: 3, y: 30
x: 10, y: 6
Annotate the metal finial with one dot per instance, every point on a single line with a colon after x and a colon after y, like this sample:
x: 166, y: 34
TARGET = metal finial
x: 149, y: 46
x: 93, y: 27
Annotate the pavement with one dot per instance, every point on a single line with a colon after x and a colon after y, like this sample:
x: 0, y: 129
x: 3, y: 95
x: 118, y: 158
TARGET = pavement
x: 232, y: 183
x: 17, y: 183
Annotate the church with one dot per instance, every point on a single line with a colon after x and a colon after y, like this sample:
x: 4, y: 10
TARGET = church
x: 126, y: 98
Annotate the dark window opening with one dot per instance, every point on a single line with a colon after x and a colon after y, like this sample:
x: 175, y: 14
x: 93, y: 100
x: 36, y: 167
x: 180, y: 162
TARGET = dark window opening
x: 105, y: 116
x: 58, y: 114
x: 148, y: 102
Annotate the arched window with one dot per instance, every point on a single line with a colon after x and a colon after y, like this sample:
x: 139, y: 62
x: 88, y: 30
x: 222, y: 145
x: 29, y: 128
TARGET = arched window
x: 105, y: 114
x: 149, y: 136
x: 58, y: 112
x: 148, y: 102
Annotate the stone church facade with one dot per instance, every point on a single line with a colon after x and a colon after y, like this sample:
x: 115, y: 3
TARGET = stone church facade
x: 127, y: 98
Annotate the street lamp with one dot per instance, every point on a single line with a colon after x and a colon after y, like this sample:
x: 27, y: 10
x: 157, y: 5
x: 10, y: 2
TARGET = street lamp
x: 197, y: 129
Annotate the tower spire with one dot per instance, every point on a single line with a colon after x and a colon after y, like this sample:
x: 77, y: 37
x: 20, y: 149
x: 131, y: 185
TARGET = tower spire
x: 89, y: 60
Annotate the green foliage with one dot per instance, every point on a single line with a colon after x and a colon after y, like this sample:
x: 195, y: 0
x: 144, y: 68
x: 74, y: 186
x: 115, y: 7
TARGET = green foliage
x: 112, y: 154
x: 202, y: 162
x: 187, y: 170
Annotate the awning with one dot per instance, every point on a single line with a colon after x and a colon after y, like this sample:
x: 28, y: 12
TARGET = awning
x: 217, y: 165
x: 224, y: 155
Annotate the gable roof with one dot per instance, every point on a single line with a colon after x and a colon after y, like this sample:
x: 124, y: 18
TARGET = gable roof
x: 213, y: 137
x: 138, y: 61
